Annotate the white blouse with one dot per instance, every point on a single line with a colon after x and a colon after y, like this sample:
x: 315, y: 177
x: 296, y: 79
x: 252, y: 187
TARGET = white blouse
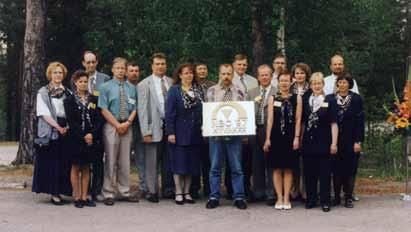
x: 43, y: 110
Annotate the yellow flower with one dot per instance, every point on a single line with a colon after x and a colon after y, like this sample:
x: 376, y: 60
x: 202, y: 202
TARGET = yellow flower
x: 391, y: 118
x: 91, y: 105
x: 258, y: 99
x: 401, y: 123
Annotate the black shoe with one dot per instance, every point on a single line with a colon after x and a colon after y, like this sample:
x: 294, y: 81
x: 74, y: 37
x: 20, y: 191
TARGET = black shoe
x: 212, y: 203
x: 270, y: 202
x: 195, y: 195
x: 326, y: 208
x: 109, y: 201
x: 349, y: 203
x: 188, y: 199
x: 89, y: 203
x: 179, y: 202
x: 56, y: 201
x: 168, y: 195
x: 240, y: 204
x: 78, y: 204
x: 337, y: 201
x: 133, y: 199
x: 153, y: 198
x: 310, y: 205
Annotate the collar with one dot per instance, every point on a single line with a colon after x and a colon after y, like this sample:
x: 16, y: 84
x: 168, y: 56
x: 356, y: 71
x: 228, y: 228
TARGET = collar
x: 223, y: 87
x: 118, y: 81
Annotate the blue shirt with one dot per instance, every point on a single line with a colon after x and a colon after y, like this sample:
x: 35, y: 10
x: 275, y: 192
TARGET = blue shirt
x: 110, y: 97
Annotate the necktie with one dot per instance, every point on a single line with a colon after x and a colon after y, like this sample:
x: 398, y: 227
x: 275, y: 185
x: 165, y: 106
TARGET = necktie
x: 164, y: 89
x: 123, y: 105
x: 260, y: 112
x: 228, y: 95
x: 91, y: 84
x: 243, y: 83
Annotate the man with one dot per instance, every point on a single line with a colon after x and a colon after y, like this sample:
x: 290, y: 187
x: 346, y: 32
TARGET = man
x: 152, y: 94
x: 117, y: 101
x: 337, y: 67
x: 226, y: 146
x: 201, y: 73
x: 133, y: 77
x: 96, y: 79
x: 279, y: 65
x: 261, y: 176
x: 241, y: 78
x: 246, y: 83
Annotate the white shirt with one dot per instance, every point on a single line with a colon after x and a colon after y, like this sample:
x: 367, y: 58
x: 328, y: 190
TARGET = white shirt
x: 157, y: 85
x: 249, y: 81
x: 330, y: 85
x: 43, y: 110
x: 274, y: 80
x: 94, y: 81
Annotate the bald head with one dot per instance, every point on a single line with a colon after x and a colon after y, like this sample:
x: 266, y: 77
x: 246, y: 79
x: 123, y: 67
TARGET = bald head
x: 337, y: 64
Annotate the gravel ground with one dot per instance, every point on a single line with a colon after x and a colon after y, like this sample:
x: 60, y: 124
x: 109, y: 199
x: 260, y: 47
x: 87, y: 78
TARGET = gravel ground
x: 25, y: 211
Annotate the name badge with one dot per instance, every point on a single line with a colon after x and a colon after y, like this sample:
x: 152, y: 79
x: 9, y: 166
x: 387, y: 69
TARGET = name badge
x: 96, y: 93
x: 325, y: 105
x: 132, y: 101
x: 277, y: 104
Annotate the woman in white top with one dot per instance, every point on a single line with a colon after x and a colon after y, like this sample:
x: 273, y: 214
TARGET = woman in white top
x: 52, y: 166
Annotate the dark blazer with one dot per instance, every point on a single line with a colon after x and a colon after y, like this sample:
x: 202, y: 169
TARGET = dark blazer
x: 74, y: 119
x: 184, y: 123
x: 351, y: 125
x: 318, y: 140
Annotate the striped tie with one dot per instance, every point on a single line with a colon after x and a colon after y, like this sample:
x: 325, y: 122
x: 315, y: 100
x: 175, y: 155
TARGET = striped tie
x: 260, y: 112
x: 123, y: 104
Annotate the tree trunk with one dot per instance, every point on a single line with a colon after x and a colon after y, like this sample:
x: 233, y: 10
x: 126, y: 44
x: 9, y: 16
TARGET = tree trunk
x: 281, y: 29
x: 257, y: 33
x: 34, y: 58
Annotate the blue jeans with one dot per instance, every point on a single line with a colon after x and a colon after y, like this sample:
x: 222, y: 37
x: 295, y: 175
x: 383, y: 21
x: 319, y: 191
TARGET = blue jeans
x: 220, y: 148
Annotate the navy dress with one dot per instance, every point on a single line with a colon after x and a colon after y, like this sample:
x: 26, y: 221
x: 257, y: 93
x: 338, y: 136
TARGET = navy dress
x: 351, y: 130
x: 282, y: 155
x: 185, y: 124
x: 84, y: 119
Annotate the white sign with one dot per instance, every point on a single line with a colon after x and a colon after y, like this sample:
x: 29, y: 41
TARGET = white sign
x: 228, y: 118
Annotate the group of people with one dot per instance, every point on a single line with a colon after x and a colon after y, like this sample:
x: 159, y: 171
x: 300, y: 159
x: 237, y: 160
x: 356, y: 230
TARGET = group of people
x: 309, y: 131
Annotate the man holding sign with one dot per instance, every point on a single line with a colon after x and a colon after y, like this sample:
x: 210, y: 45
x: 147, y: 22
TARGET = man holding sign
x: 226, y: 146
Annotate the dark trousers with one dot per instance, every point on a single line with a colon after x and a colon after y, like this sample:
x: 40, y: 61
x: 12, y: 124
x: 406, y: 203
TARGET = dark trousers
x: 205, y: 172
x: 246, y: 164
x: 317, y: 168
x: 97, y: 172
x: 346, y: 183
x: 167, y: 181
x: 259, y: 175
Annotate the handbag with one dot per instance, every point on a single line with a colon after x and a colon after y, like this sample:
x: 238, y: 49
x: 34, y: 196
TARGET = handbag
x: 41, y: 143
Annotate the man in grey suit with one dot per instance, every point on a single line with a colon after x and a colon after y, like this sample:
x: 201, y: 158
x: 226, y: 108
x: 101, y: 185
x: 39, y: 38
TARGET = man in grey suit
x: 152, y: 94
x: 96, y: 79
x: 262, y: 183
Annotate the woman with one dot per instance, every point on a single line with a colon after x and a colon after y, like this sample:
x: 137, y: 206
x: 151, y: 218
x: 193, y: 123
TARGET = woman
x: 52, y: 165
x: 183, y: 119
x: 319, y: 142
x: 85, y: 135
x: 283, y: 130
x: 300, y: 73
x: 351, y: 134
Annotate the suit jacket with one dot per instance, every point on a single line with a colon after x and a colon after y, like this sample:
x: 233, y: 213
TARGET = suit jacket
x: 184, y: 123
x: 149, y: 109
x: 253, y: 93
x: 74, y: 119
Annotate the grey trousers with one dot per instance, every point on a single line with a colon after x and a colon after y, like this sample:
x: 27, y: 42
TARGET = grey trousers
x: 117, y: 161
x: 140, y: 159
x: 152, y: 152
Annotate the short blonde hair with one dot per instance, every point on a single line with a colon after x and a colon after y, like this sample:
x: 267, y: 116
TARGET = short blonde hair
x: 120, y: 60
x: 52, y: 66
x: 317, y: 76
